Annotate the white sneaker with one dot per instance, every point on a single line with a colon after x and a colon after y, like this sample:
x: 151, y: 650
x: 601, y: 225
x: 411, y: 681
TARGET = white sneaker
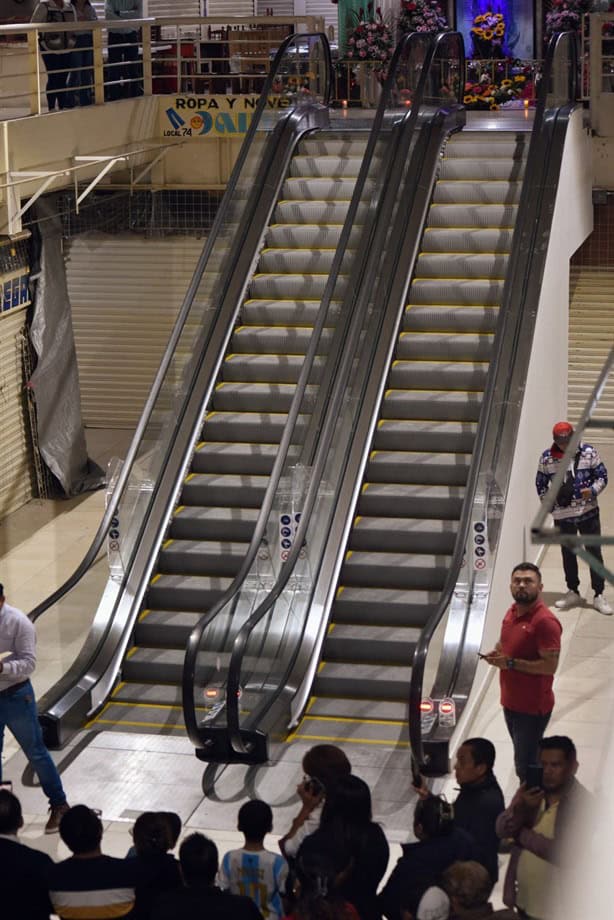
x: 601, y: 605
x: 569, y: 600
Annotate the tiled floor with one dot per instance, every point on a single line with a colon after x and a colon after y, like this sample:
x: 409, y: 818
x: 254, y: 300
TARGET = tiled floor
x: 125, y: 774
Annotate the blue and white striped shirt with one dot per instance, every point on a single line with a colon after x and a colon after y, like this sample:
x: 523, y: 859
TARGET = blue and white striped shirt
x: 260, y: 875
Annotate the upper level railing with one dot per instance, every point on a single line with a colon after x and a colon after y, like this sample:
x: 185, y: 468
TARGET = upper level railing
x: 47, y: 66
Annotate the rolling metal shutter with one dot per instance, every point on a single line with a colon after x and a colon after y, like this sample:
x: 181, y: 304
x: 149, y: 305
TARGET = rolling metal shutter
x: 325, y: 9
x: 16, y: 480
x: 125, y: 293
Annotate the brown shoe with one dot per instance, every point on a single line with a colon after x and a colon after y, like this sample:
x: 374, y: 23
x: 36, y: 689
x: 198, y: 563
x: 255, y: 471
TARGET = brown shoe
x: 55, y: 816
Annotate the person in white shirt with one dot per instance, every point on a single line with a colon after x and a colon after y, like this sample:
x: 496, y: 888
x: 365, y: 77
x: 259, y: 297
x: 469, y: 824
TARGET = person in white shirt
x: 18, y: 706
x: 57, y: 52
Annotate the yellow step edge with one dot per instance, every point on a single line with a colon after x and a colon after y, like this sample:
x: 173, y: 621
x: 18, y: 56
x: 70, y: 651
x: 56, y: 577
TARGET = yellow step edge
x: 132, y: 651
x: 179, y: 508
x: 340, y: 740
x: 352, y: 720
x: 421, y: 332
x: 446, y: 279
x: 144, y: 614
x: 133, y: 724
x: 167, y: 543
x: 155, y: 578
x: 466, y: 229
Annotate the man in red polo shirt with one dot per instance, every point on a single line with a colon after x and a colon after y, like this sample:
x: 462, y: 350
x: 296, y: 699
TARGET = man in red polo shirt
x: 527, y: 656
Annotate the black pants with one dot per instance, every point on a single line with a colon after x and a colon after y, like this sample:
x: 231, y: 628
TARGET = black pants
x: 59, y: 66
x: 125, y: 69
x: 587, y: 525
x: 82, y: 79
x: 526, y: 731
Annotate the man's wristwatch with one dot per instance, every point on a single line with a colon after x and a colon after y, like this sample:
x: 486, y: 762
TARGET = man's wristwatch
x: 511, y: 664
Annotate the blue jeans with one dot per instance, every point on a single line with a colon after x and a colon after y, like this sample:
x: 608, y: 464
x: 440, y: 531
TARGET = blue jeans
x: 526, y: 731
x: 18, y: 713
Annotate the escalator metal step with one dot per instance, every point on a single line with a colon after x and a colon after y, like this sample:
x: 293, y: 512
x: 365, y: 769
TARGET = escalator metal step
x: 199, y: 557
x: 493, y: 192
x: 393, y: 500
x: 438, y: 375
x: 289, y: 211
x: 305, y: 165
x: 234, y: 524
x: 462, y: 265
x: 308, y: 236
x: 406, y: 535
x: 252, y: 427
x: 254, y: 397
x: 470, y: 168
x: 450, y: 318
x: 363, y: 710
x: 387, y: 606
x: 394, y: 570
x: 296, y: 261
x: 451, y: 240
x: 277, y: 342
x: 293, y: 286
x: 477, y: 292
x: 446, y: 469
x: 429, y: 435
x: 255, y: 367
x: 432, y: 404
x: 321, y: 189
x: 444, y: 345
x: 236, y: 457
x: 469, y: 216
x: 281, y: 312
x: 230, y: 491
x: 362, y: 686
x: 367, y: 650
x: 178, y: 592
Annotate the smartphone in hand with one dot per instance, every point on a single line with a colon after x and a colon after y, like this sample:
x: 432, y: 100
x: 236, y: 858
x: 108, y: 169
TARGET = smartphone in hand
x: 535, y: 776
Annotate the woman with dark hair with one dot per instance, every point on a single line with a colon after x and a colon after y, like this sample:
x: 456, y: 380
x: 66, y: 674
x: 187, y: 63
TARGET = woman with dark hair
x: 323, y: 766
x: 439, y: 844
x: 316, y: 884
x: 347, y: 827
x: 153, y: 838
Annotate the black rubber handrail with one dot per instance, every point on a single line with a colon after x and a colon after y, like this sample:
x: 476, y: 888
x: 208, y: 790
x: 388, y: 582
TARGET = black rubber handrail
x: 124, y: 475
x: 491, y: 418
x: 328, y: 428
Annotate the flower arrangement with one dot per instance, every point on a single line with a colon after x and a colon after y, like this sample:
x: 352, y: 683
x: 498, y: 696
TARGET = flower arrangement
x: 488, y: 35
x: 371, y: 40
x: 422, y: 16
x: 564, y: 16
x: 494, y: 90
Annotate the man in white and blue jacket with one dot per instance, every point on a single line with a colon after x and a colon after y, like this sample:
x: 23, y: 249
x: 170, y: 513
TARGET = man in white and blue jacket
x: 576, y: 509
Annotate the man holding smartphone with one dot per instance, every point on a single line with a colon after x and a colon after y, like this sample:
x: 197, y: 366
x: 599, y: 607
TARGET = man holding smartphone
x: 18, y: 710
x: 537, y: 820
x: 527, y: 656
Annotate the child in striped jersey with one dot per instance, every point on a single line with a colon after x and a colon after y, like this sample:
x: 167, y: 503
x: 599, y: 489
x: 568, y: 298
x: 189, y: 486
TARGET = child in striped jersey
x: 252, y: 870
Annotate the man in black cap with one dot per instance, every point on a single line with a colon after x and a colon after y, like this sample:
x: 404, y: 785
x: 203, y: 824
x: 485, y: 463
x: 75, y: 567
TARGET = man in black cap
x: 576, y: 509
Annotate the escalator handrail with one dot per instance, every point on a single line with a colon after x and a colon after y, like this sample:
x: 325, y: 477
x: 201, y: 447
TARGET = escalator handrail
x: 131, y: 455
x: 231, y: 595
x: 337, y: 394
x: 489, y: 420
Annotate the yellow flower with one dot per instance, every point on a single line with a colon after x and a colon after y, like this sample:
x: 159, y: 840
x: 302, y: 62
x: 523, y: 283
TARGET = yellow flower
x: 506, y: 82
x: 494, y: 107
x: 520, y: 78
x: 488, y: 34
x: 500, y: 30
x: 478, y: 19
x: 478, y: 32
x: 499, y: 17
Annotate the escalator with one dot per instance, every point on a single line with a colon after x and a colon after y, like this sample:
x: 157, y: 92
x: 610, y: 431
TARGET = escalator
x: 337, y: 654
x: 404, y: 532
x: 211, y: 529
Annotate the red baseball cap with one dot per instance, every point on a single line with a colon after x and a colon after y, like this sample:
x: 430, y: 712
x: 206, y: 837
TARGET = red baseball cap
x: 562, y: 430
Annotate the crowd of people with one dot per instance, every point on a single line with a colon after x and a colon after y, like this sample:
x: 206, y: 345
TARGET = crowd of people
x: 69, y: 57
x: 332, y: 862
